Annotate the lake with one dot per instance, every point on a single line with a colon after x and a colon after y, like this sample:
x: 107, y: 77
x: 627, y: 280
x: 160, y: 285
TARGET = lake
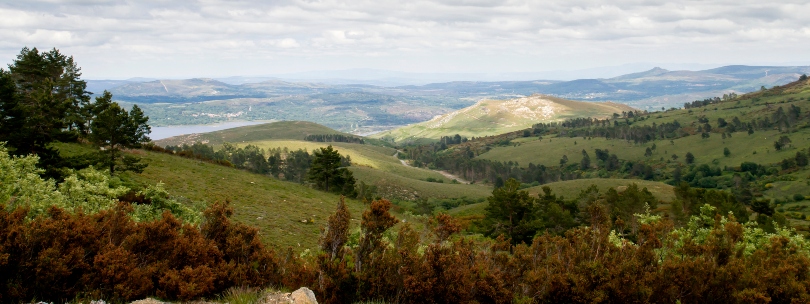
x: 166, y: 132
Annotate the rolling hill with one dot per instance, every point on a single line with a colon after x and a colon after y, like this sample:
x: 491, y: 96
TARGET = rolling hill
x: 492, y: 117
x: 722, y: 137
x: 296, y: 130
x: 373, y: 164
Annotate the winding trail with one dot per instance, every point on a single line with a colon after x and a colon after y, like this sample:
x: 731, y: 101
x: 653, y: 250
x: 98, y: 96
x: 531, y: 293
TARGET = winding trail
x: 442, y: 172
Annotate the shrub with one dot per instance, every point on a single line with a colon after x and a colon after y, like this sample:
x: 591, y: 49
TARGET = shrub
x: 111, y: 256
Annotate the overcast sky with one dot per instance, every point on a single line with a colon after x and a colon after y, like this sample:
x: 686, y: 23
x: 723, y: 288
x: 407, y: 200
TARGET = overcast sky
x: 174, y: 38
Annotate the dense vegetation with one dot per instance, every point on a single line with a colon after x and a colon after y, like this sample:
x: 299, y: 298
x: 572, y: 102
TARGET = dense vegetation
x: 711, y: 258
x: 43, y: 100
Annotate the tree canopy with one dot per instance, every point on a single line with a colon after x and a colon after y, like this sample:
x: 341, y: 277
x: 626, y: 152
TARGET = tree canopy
x: 328, y: 175
x: 113, y: 129
x: 44, y: 100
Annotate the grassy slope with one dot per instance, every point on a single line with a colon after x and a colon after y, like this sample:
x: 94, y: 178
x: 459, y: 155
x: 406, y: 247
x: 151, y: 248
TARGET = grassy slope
x: 549, y: 150
x: 742, y: 146
x: 393, y: 185
x: 297, y: 130
x: 492, y: 117
x: 571, y: 189
x: 377, y: 166
x: 275, y: 207
x: 373, y: 164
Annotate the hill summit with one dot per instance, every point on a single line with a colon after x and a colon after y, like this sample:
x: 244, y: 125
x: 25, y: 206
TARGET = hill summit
x: 295, y: 130
x: 492, y: 117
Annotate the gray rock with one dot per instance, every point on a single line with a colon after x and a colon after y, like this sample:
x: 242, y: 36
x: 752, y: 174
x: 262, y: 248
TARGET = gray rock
x: 303, y: 296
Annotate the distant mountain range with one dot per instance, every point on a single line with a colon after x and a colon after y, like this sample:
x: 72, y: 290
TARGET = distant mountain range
x: 363, y: 108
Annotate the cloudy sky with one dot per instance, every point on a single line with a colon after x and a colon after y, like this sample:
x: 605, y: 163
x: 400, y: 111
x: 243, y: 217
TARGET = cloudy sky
x: 172, y: 38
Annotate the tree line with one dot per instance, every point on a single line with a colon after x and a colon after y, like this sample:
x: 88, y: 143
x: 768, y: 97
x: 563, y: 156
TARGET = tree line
x: 325, y: 168
x: 43, y: 100
x: 334, y: 138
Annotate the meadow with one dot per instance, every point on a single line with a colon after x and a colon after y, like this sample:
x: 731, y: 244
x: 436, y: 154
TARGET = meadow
x: 287, y: 214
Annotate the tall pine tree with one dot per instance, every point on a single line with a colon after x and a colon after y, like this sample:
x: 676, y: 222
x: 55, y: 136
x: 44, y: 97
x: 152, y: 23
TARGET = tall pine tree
x: 113, y: 129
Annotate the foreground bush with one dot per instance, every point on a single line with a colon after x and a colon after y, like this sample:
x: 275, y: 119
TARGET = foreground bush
x: 713, y: 259
x: 59, y: 256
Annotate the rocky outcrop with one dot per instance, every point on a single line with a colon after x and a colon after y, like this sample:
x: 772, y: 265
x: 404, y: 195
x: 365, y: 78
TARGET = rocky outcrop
x: 301, y: 296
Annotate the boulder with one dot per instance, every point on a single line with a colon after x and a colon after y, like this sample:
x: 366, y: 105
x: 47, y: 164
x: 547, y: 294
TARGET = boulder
x: 303, y: 296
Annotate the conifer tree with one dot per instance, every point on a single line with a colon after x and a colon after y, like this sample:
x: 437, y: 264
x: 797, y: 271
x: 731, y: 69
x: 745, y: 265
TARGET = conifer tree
x: 113, y: 129
x: 328, y: 175
x: 42, y: 100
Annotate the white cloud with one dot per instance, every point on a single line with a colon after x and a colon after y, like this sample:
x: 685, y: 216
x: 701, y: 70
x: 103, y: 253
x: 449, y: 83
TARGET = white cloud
x: 173, y: 38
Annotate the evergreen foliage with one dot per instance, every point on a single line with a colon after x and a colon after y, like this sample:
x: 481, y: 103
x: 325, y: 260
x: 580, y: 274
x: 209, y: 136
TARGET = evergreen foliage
x: 327, y: 174
x: 113, y: 129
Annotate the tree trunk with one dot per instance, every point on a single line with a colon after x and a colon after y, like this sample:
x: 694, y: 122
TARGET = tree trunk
x: 112, y: 161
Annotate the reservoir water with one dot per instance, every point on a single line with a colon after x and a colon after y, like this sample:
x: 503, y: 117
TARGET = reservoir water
x: 169, y: 131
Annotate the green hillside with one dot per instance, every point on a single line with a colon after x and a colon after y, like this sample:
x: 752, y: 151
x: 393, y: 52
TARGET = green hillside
x: 397, y: 186
x: 549, y: 151
x: 757, y: 147
x: 768, y: 131
x: 571, y: 188
x: 296, y: 130
x: 492, y: 117
x: 276, y: 207
x: 377, y: 166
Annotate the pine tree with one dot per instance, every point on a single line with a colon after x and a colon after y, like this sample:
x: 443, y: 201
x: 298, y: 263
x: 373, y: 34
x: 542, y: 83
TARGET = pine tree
x: 585, y: 163
x: 510, y: 213
x: 328, y: 175
x: 42, y: 100
x: 113, y: 129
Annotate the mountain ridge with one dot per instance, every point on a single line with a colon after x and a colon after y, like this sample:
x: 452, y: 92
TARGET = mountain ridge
x: 492, y: 117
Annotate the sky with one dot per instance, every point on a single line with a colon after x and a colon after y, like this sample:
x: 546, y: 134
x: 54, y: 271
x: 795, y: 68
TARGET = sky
x: 178, y: 39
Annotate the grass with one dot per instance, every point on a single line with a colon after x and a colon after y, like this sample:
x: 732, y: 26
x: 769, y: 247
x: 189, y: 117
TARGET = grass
x: 476, y: 209
x: 277, y: 208
x: 379, y: 158
x: 397, y: 186
x: 548, y: 151
x: 492, y: 117
x: 571, y: 188
x: 297, y: 130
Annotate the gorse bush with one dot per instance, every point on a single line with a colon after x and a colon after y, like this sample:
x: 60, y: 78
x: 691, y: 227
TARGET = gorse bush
x: 87, y: 190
